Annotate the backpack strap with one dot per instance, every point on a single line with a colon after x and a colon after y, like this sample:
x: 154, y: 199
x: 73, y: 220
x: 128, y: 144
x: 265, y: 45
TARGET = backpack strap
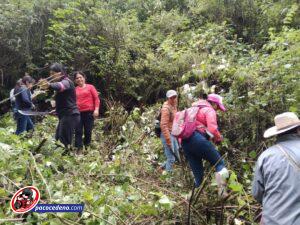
x: 208, y: 133
x: 289, y: 157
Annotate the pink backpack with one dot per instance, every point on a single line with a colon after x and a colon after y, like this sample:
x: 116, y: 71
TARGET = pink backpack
x: 184, y: 123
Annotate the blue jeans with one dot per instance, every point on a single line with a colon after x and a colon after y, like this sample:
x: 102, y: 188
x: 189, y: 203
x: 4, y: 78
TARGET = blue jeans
x: 24, y: 123
x: 169, y: 153
x: 196, y: 148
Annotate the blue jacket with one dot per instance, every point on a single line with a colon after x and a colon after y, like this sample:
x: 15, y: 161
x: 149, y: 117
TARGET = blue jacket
x: 23, y: 100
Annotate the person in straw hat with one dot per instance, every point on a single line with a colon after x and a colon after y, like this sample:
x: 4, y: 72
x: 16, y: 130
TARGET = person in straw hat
x: 277, y: 173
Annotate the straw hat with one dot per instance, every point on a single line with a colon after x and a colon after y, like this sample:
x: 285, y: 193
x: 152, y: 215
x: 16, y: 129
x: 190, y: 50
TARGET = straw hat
x: 283, y: 122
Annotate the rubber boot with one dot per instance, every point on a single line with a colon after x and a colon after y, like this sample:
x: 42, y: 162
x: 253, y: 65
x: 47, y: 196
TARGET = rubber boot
x: 221, y: 177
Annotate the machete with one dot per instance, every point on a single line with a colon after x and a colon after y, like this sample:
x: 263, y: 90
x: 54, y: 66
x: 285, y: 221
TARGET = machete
x: 33, y: 113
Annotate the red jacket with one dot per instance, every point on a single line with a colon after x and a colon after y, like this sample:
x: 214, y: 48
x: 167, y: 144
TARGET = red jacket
x: 87, y: 98
x: 207, y: 118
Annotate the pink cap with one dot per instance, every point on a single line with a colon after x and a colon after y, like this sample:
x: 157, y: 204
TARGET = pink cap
x: 218, y: 100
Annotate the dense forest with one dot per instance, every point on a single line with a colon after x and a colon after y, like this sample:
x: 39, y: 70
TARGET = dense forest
x: 133, y: 51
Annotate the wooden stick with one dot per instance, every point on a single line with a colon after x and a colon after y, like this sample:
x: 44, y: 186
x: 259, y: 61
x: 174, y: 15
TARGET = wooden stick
x: 41, y: 175
x: 6, y: 99
x: 110, y: 208
x: 65, y: 220
x: 206, y: 178
x: 37, y: 149
x: 10, y: 180
x: 95, y: 215
x: 11, y: 220
x: 189, y: 208
x: 237, y: 213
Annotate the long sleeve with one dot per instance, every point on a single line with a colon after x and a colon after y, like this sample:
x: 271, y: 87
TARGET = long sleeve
x: 26, y: 99
x: 212, y: 124
x: 95, y: 96
x: 164, y: 124
x: 12, y: 96
x: 258, y: 183
x: 61, y: 86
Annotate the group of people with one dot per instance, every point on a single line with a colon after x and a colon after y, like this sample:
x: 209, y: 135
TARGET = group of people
x: 277, y: 173
x: 199, y: 146
x: 76, y: 105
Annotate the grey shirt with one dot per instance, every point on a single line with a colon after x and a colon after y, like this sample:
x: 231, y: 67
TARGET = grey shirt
x: 276, y: 183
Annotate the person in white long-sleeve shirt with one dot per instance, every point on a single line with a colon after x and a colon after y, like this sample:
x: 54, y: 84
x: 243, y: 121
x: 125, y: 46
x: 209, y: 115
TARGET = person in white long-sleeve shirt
x: 12, y: 97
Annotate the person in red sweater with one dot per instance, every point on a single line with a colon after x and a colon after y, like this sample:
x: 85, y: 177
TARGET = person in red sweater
x: 88, y: 103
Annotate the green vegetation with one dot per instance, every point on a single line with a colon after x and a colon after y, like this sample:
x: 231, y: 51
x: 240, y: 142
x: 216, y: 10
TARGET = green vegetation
x: 116, y: 179
x: 133, y: 51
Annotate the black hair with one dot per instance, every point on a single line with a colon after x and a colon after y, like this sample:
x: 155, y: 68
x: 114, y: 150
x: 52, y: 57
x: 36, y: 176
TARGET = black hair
x: 201, y: 93
x: 28, y: 79
x: 18, y: 83
x: 78, y: 72
x: 58, y: 68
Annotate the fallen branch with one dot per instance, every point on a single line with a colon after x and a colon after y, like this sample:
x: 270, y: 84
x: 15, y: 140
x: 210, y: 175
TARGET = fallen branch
x: 65, y: 220
x: 10, y: 180
x: 110, y: 208
x: 237, y: 213
x: 140, y: 139
x: 232, y: 207
x: 135, y: 219
x: 99, y: 217
x: 32, y: 178
x: 41, y: 175
x: 190, y: 204
x: 206, y: 178
x: 12, y: 220
x: 36, y: 150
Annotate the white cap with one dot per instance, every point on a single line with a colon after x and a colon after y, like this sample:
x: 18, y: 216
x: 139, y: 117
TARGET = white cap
x: 171, y: 93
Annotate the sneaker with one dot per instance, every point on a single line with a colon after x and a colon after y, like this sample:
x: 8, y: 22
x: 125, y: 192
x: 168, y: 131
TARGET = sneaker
x: 224, y: 173
x: 221, y: 177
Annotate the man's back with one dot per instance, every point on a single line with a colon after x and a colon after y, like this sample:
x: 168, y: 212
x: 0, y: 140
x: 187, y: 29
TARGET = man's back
x: 277, y: 181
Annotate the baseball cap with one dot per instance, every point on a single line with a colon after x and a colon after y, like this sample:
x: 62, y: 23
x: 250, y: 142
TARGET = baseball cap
x: 218, y: 100
x: 171, y: 93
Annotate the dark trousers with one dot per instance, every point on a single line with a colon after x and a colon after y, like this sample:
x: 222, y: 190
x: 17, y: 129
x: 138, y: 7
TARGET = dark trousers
x: 66, y: 128
x: 196, y: 148
x: 84, y: 127
x: 24, y: 123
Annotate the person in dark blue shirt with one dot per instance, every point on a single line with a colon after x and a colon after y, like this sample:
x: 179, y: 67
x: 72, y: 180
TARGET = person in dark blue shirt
x: 65, y: 101
x: 23, y: 102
